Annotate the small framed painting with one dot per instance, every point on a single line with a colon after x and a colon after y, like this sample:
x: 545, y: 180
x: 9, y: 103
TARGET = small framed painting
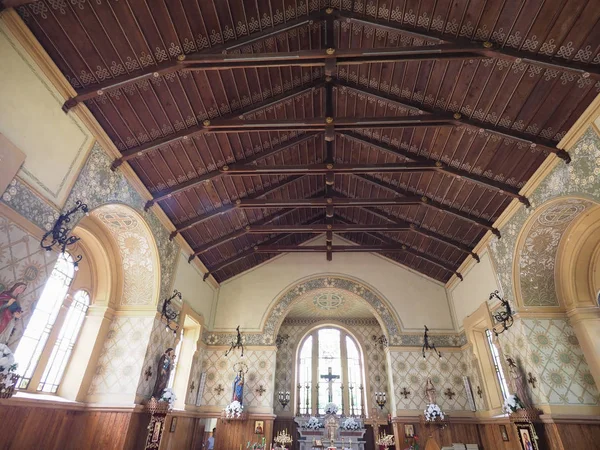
x: 409, y: 430
x: 503, y: 433
x: 259, y: 427
x: 156, y: 432
x: 173, y: 425
x: 527, y: 436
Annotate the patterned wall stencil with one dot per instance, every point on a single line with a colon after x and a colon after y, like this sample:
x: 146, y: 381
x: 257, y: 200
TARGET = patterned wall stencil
x: 195, y: 377
x: 410, y: 370
x: 582, y: 178
x: 121, y: 361
x: 22, y: 260
x: 219, y: 371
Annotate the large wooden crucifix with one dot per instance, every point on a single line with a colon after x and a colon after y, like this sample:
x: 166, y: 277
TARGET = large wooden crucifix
x: 330, y: 377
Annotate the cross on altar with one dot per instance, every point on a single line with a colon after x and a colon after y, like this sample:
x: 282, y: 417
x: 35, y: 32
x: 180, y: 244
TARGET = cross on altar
x: 330, y: 377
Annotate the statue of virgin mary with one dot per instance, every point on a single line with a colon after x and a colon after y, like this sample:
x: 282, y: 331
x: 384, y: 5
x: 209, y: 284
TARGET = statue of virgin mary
x: 238, y: 387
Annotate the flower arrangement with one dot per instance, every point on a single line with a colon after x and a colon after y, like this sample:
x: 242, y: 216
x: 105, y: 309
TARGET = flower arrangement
x: 350, y: 424
x: 8, y: 377
x: 234, y: 409
x: 313, y: 424
x: 414, y: 442
x: 168, y: 396
x: 433, y: 412
x: 512, y: 404
x: 331, y: 408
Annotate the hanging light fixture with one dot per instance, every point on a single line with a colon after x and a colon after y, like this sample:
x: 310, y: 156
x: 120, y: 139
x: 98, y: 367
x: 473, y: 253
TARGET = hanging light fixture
x: 380, y: 399
x: 60, y: 237
x: 284, y: 398
x: 504, y: 318
x: 427, y: 346
x: 169, y: 314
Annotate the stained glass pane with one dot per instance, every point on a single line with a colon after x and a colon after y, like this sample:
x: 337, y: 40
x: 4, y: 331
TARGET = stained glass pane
x: 329, y: 368
x: 65, y: 342
x: 42, y: 319
x: 354, y: 375
x: 304, y: 375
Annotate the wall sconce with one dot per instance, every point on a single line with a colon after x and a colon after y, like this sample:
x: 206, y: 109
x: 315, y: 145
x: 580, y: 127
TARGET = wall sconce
x: 380, y: 399
x: 60, y: 235
x: 427, y: 346
x: 169, y: 314
x: 284, y: 398
x: 505, y: 318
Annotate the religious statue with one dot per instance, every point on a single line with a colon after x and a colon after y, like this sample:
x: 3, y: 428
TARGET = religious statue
x: 518, y: 381
x: 10, y: 309
x: 238, y: 387
x: 430, y: 391
x: 165, y: 365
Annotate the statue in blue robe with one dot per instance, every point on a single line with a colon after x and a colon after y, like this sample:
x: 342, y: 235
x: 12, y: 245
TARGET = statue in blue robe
x: 238, y: 388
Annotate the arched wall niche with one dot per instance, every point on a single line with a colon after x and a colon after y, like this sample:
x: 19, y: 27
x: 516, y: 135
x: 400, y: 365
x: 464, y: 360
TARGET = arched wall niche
x: 121, y: 239
x: 537, y: 256
x: 376, y: 302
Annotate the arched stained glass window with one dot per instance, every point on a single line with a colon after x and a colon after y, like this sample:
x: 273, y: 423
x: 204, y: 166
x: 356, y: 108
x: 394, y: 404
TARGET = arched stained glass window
x: 330, y: 358
x: 65, y: 342
x: 42, y: 320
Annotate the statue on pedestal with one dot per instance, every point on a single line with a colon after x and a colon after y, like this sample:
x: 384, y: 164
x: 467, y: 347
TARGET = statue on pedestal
x: 165, y: 365
x: 430, y: 391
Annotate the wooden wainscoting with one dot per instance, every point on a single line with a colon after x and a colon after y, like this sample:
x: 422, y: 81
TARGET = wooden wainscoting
x: 287, y: 423
x: 187, y: 435
x: 232, y: 434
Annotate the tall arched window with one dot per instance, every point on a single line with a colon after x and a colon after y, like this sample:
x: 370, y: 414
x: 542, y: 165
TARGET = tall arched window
x: 330, y: 369
x: 44, y: 350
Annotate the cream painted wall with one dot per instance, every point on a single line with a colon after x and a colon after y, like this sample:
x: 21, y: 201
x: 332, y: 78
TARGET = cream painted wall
x: 466, y: 296
x: 197, y: 293
x: 246, y: 299
x: 55, y: 143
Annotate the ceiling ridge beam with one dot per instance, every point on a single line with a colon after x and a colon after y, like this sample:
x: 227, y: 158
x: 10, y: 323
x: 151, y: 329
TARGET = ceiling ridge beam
x: 440, y: 167
x: 487, y: 48
x: 336, y: 168
x: 249, y: 252
x: 168, y: 192
x: 459, y: 119
x: 326, y: 202
x: 428, y: 201
x: 172, y: 66
x: 203, y: 127
x: 230, y: 207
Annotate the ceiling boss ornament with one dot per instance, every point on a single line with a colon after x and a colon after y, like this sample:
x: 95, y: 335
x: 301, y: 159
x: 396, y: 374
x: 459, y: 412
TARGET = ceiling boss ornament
x: 60, y: 237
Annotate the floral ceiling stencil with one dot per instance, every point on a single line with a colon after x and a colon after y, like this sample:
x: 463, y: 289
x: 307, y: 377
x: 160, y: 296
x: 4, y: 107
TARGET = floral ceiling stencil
x: 136, y: 248
x: 580, y: 178
x: 537, y: 257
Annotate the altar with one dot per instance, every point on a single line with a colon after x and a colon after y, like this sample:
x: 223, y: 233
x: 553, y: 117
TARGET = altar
x: 329, y: 433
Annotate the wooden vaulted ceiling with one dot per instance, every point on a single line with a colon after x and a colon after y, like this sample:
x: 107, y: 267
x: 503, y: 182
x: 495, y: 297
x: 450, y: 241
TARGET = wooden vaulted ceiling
x: 405, y: 126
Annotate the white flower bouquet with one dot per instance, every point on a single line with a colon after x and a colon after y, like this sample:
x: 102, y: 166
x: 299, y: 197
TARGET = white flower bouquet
x: 350, y: 424
x: 313, y: 424
x: 168, y: 396
x: 512, y: 404
x: 433, y: 412
x: 8, y: 377
x: 234, y: 409
x: 331, y: 408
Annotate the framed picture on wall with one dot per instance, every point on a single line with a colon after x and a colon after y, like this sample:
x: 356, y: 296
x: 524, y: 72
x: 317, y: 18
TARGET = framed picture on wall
x: 259, y: 427
x: 527, y: 436
x: 173, y: 425
x: 503, y: 433
x: 409, y: 431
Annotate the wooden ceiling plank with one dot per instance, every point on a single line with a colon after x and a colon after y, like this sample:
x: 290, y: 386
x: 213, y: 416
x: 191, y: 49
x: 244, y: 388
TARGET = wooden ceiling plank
x: 5, y: 4
x: 460, y: 119
x: 432, y: 203
x: 226, y: 208
x: 202, y: 129
x: 168, y: 192
x: 486, y: 48
x: 443, y: 168
x: 173, y: 66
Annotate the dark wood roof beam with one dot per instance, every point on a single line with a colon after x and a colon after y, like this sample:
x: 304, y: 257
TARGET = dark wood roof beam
x: 226, y: 208
x: 432, y: 203
x: 459, y: 120
x: 336, y: 168
x: 187, y: 133
x: 488, y: 49
x: 324, y: 228
x: 425, y: 232
x: 173, y: 66
x: 239, y: 256
x: 325, y: 202
x: 439, y: 166
x: 168, y: 192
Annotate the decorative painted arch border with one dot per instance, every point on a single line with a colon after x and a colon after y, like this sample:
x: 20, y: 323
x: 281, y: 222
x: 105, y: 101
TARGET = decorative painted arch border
x: 284, y: 302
